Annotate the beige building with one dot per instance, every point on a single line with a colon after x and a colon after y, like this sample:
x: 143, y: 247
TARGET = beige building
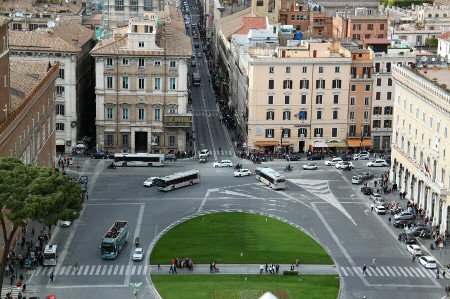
x: 297, y: 97
x: 421, y: 144
x: 141, y: 85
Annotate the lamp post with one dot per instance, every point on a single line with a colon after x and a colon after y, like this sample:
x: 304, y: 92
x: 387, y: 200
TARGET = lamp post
x: 362, y: 136
x: 281, y: 139
x: 135, y: 286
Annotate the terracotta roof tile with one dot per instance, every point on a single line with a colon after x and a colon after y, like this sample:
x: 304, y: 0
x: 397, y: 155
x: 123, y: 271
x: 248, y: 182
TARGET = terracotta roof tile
x: 33, y: 6
x: 445, y: 36
x: 377, y: 41
x: 232, y: 23
x: 251, y: 23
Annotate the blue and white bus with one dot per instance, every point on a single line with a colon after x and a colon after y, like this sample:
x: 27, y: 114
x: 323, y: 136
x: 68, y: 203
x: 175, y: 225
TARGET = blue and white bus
x: 139, y: 159
x: 271, y: 178
x: 178, y: 180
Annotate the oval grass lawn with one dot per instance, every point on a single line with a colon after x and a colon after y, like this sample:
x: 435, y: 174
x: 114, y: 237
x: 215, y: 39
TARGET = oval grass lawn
x: 222, y: 237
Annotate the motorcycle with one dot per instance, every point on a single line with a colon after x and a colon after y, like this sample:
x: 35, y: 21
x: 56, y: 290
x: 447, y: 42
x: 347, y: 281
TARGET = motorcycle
x: 111, y: 166
x: 238, y: 166
x: 136, y: 242
x: 288, y: 168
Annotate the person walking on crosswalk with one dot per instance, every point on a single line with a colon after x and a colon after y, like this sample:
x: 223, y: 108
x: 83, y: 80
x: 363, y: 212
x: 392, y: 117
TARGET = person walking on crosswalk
x: 52, y: 276
x: 373, y: 263
x: 364, y: 270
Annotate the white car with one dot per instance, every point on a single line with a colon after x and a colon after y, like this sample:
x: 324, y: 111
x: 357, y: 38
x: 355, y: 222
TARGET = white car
x: 204, y: 153
x: 310, y: 166
x: 223, y: 163
x: 414, y: 249
x: 332, y: 161
x: 375, y: 196
x: 150, y: 181
x: 242, y: 172
x: 138, y: 254
x: 380, y: 210
x: 428, y: 262
x: 356, y: 179
x: 377, y: 163
x: 65, y: 223
x: 343, y: 165
x: 361, y: 157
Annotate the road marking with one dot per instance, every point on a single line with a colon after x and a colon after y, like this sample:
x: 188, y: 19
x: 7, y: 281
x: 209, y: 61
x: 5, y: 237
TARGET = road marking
x: 138, y: 272
x: 38, y: 271
x: 86, y: 270
x: 403, y: 272
x: 414, y: 271
x: 133, y: 270
x: 420, y: 272
x: 379, y: 271
x: 104, y: 269
x: 69, y: 268
x: 116, y: 269
x: 122, y: 269
x: 79, y: 270
x: 145, y: 269
x: 385, y: 271
x: 110, y: 268
x: 136, y: 234
x: 390, y: 270
x: 97, y: 272
x: 369, y: 269
x: 343, y: 271
x: 127, y: 272
x: 92, y: 270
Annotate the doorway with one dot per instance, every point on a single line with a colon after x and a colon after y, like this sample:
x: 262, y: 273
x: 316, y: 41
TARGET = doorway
x: 301, y: 146
x: 141, y: 142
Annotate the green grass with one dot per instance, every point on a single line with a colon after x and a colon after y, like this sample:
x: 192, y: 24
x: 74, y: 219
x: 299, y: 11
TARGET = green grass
x: 235, y: 286
x: 223, y: 237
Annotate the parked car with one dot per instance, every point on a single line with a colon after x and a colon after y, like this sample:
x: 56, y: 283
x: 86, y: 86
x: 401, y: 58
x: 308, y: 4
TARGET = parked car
x: 204, y: 153
x: 346, y: 158
x: 100, y: 155
x: 366, y: 190
x: 382, y: 202
x: 366, y: 175
x: 242, y: 172
x: 377, y: 163
x: 150, y: 181
x: 416, y: 231
x: 138, y: 254
x: 388, y: 159
x: 356, y: 179
x: 293, y: 157
x: 344, y: 165
x: 202, y: 159
x: 64, y: 223
x: 408, y: 239
x: 425, y: 234
x: 196, y: 45
x: 170, y: 157
x: 83, y: 179
x: 361, y: 156
x: 223, y: 163
x: 314, y: 157
x: 310, y: 166
x: 404, y: 215
x: 193, y: 63
x: 332, y: 161
x: 199, y: 54
x: 414, y: 249
x: 428, y: 262
x: 380, y: 210
x: 375, y: 196
x: 402, y: 223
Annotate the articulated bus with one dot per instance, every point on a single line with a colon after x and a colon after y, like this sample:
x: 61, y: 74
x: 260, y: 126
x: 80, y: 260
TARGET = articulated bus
x: 139, y: 159
x: 271, y: 178
x: 178, y: 180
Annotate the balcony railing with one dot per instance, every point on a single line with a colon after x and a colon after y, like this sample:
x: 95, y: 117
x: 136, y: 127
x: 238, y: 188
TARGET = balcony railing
x: 441, y: 190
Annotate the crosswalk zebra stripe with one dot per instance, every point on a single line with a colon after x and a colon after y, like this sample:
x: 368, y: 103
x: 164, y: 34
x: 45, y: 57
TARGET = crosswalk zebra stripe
x: 390, y: 271
x: 413, y: 271
x: 396, y: 271
x: 133, y: 269
x: 38, y: 270
x: 432, y: 272
x: 145, y: 270
x: 349, y: 271
x: 385, y: 271
x: 110, y: 268
x: 99, y: 268
x: 122, y: 268
x: 409, y: 272
x: 379, y: 271
x: 139, y: 270
x: 420, y: 272
x: 128, y: 270
x: 80, y: 270
x: 403, y: 271
x: 344, y: 272
x: 69, y: 268
x: 116, y: 269
x: 86, y: 270
x: 104, y: 269
x: 370, y: 269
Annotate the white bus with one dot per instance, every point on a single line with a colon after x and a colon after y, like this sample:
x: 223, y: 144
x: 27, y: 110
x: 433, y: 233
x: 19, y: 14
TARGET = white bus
x: 139, y: 159
x: 270, y: 177
x: 50, y: 255
x: 178, y: 180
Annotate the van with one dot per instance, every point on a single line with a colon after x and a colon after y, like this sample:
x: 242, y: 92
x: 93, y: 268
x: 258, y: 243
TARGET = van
x: 380, y: 210
x: 356, y: 179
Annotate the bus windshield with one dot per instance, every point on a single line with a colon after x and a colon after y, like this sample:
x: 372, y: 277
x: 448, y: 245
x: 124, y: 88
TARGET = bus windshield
x: 49, y: 256
x: 107, y: 248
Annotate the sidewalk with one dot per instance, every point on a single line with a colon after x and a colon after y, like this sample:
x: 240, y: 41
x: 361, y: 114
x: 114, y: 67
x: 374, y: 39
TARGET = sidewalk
x: 246, y: 269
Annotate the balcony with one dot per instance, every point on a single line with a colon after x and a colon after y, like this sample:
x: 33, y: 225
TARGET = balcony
x: 441, y: 190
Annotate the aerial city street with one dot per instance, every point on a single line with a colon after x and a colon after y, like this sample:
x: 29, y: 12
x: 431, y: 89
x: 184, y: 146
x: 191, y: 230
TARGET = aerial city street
x: 185, y: 149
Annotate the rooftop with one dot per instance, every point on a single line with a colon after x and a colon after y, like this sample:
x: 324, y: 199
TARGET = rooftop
x: 445, y: 36
x: 377, y: 41
x: 32, y: 6
x: 4, y: 21
x: 234, y: 22
x: 437, y: 76
x: 251, y: 23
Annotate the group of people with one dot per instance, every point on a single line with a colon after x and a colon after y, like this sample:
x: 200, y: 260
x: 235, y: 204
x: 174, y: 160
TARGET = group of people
x: 269, y: 268
x: 180, y: 263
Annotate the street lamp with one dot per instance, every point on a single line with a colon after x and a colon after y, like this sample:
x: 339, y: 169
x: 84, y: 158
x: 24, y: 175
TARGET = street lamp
x: 135, y: 286
x: 281, y: 140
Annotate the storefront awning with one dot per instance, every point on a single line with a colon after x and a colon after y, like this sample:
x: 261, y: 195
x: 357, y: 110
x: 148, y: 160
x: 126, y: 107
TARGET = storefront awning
x: 337, y: 144
x: 367, y: 142
x: 319, y: 144
x: 266, y: 143
x: 60, y: 142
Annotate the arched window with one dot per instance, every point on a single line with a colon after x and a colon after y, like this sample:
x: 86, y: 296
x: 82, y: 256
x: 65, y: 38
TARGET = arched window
x: 270, y: 115
x: 286, y: 115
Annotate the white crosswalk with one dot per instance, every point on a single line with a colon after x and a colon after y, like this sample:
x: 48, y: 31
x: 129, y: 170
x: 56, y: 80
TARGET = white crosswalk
x: 93, y: 270
x: 206, y: 114
x: 14, y: 291
x: 389, y: 271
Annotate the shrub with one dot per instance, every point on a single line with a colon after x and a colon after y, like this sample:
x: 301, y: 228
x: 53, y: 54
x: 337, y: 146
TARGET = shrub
x: 290, y: 272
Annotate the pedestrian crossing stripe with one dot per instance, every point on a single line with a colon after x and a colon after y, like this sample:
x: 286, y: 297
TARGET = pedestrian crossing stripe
x: 388, y: 271
x: 93, y: 270
x: 14, y: 291
x: 223, y: 153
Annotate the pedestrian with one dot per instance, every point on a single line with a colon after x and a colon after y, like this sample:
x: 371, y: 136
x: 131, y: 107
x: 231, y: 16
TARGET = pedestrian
x: 372, y: 205
x: 297, y: 262
x: 437, y: 273
x: 364, y: 269
x: 267, y: 267
x: 373, y: 263
x: 261, y: 269
x: 292, y: 267
x: 52, y: 276
x: 447, y: 290
x: 19, y: 296
x: 443, y: 273
x: 413, y: 257
x: 24, y: 288
x: 75, y: 266
x: 174, y: 269
x: 21, y: 277
x: 277, y: 268
x: 171, y: 269
x: 32, y: 231
x: 389, y: 219
x: 87, y: 196
x: 12, y: 278
x: 270, y: 269
x: 159, y: 266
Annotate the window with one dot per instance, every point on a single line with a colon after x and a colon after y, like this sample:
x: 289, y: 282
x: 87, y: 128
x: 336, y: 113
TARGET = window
x: 172, y: 110
x: 377, y: 110
x: 270, y: 100
x: 141, y: 44
x: 303, y: 115
x: 423, y: 117
x: 286, y: 100
x: 389, y: 81
x: 61, y: 74
x: 335, y: 114
x: 271, y: 84
x: 141, y: 83
x: 157, y: 84
x: 388, y: 110
x: 352, y: 101
x: 286, y: 115
x: 319, y: 99
x: 388, y: 123
x: 381, y: 26
x: 271, y: 70
x: 109, y: 62
x: 125, y: 84
x: 59, y: 109
x: 431, y: 122
x: 367, y: 101
x: 125, y: 140
x: 59, y: 126
x: 288, y: 70
x: 109, y: 139
x: 157, y: 114
x: 337, y: 83
x: 388, y: 67
x: 125, y: 61
x: 369, y: 26
x: 119, y: 5
x: 352, y: 115
x: 353, y: 87
x: 389, y: 95
x: 320, y: 83
x: 141, y: 62
x: 270, y: 115
x: 376, y: 123
x: 318, y: 132
x: 356, y: 26
x: 336, y: 99
x: 303, y: 99
x: 269, y: 133
x: 134, y: 5
x: 319, y: 114
x: 157, y: 63
x: 60, y: 90
x: 366, y: 114
x: 304, y: 84
x: 320, y: 69
x: 109, y: 82
x: 286, y: 133
x: 109, y: 113
x: 367, y: 87
x: 172, y: 83
x: 173, y: 64
x: 302, y: 132
x: 287, y: 84
x: 172, y: 140
x: 125, y: 114
x: 378, y: 81
x: 334, y: 132
x: 305, y: 70
x: 337, y: 70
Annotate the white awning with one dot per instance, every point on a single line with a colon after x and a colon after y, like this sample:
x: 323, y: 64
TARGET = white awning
x: 319, y: 144
x: 60, y: 142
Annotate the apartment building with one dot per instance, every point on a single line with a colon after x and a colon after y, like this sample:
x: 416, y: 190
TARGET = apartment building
x: 360, y: 27
x: 383, y: 91
x: 443, y: 49
x: 141, y: 85
x: 121, y: 11
x: 266, y: 8
x: 420, y: 144
x: 4, y: 69
x: 297, y: 96
x: 69, y: 44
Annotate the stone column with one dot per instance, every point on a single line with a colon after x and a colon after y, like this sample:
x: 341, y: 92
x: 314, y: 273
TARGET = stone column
x: 416, y: 191
x: 149, y: 139
x: 437, y: 204
x: 132, y: 140
x: 444, y: 219
x: 428, y: 201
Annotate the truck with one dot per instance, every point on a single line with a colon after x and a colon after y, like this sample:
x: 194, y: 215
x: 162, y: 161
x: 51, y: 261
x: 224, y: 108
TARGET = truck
x: 196, y: 80
x: 114, y: 240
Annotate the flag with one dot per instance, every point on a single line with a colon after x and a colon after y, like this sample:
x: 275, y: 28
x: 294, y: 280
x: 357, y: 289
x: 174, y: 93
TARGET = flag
x: 426, y: 168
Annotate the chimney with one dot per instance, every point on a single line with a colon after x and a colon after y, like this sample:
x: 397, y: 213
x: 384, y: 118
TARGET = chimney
x: 49, y: 66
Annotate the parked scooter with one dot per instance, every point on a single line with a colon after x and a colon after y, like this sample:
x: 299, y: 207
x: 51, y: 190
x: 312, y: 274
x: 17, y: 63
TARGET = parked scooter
x: 111, y: 166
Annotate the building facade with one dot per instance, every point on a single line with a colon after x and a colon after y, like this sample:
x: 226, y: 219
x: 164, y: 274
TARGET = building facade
x: 297, y: 99
x: 4, y: 69
x: 360, y: 27
x: 420, y: 144
x: 141, y: 86
x: 69, y: 44
x: 443, y: 49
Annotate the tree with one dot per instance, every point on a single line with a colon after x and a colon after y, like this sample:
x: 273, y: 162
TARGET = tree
x: 28, y: 192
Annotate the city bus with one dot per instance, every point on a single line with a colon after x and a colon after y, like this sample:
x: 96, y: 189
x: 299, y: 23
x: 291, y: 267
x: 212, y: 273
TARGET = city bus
x: 271, y: 178
x: 196, y: 80
x: 50, y: 257
x: 178, y: 180
x: 139, y: 159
